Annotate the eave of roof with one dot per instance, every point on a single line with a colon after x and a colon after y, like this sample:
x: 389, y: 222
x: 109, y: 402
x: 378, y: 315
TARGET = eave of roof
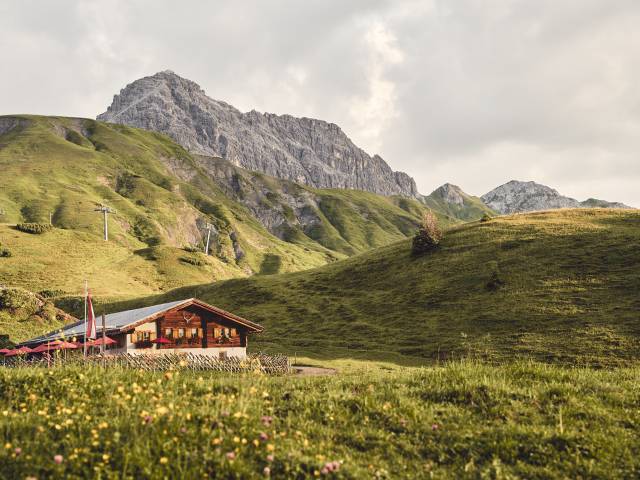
x: 128, y: 319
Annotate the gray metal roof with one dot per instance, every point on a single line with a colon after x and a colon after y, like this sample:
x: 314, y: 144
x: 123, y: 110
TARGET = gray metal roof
x: 113, y: 321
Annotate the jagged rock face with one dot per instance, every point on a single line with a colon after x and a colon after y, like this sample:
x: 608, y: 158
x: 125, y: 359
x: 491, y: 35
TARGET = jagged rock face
x: 450, y: 193
x: 515, y: 196
x: 304, y: 150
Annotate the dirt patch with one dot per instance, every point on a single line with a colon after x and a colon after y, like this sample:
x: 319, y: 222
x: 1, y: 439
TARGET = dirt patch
x: 313, y: 371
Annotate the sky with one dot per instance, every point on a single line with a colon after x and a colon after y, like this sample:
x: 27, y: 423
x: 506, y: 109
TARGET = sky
x: 471, y: 92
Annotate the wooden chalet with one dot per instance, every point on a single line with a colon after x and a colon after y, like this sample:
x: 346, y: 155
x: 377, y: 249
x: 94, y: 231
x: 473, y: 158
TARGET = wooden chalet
x: 183, y: 326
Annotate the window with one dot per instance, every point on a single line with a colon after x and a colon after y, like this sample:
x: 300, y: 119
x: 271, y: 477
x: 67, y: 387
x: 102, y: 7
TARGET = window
x: 194, y: 333
x: 181, y: 333
x: 168, y: 332
x: 146, y: 336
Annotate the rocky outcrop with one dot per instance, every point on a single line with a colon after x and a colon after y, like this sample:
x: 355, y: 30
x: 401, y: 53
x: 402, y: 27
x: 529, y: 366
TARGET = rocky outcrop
x: 449, y: 193
x: 516, y: 196
x: 304, y: 150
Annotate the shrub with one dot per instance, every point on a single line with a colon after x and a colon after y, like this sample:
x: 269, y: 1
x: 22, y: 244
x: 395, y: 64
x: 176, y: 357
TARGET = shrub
x: 428, y: 236
x: 4, y: 252
x: 16, y: 298
x: 193, y: 261
x: 191, y: 248
x: 495, y: 282
x: 51, y: 293
x: 35, y: 228
x: 486, y: 217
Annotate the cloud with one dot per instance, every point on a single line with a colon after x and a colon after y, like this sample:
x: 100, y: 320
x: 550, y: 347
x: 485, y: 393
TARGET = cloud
x: 474, y: 92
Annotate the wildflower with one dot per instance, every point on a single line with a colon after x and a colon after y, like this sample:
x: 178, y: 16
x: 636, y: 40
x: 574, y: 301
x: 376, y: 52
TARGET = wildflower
x: 264, y: 436
x: 7, y: 446
x: 17, y: 451
x: 435, y: 426
x: 183, y: 430
x: 270, y: 447
x: 266, y: 471
x: 105, y: 457
x: 58, y: 459
x: 162, y: 410
x: 164, y: 460
x: 231, y: 455
x: 148, y: 419
x: 266, y: 420
x: 270, y: 458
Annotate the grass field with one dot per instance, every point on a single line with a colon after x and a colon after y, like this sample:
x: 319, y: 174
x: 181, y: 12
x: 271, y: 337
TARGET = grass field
x: 462, y: 420
x: 559, y: 286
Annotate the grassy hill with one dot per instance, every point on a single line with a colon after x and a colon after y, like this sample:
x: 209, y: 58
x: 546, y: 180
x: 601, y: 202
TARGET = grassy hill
x: 62, y: 168
x: 557, y: 286
x: 462, y: 420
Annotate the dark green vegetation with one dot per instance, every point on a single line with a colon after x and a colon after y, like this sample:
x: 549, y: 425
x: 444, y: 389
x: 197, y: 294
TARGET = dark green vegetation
x: 557, y: 286
x: 464, y: 420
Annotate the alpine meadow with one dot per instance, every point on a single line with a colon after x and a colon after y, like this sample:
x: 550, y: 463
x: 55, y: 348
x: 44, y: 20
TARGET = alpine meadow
x: 382, y: 240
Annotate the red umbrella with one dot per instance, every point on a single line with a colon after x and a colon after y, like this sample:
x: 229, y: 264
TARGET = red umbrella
x: 100, y: 341
x: 161, y: 341
x: 45, y: 348
x: 67, y: 345
x: 4, y: 350
x: 19, y: 351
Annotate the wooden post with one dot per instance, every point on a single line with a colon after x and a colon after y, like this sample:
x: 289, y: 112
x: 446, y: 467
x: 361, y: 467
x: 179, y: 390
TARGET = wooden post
x: 104, y: 334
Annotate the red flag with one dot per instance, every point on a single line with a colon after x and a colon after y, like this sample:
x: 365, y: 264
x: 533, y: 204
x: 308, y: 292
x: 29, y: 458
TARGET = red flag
x: 91, y: 318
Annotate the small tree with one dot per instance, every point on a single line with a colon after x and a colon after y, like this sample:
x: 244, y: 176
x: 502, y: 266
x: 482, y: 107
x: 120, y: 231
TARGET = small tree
x: 428, y: 236
x: 486, y: 217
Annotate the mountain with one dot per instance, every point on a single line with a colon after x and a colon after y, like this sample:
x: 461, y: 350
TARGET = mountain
x: 556, y: 286
x: 165, y: 197
x: 304, y: 150
x: 516, y: 196
x: 453, y: 202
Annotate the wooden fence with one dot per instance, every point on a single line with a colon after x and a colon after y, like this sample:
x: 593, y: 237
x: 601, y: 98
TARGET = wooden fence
x: 256, y: 363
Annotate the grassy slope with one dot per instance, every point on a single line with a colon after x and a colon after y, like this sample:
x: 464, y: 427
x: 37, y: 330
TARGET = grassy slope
x: 66, y: 166
x: 473, y: 208
x: 345, y: 221
x: 570, y: 293
x: 464, y: 420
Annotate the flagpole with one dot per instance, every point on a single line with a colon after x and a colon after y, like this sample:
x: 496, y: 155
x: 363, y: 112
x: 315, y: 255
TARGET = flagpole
x: 86, y: 289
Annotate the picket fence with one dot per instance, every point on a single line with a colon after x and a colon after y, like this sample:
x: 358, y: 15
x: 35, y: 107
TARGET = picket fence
x: 253, y: 363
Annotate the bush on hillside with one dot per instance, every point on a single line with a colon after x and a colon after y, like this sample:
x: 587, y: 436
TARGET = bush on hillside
x: 18, y: 299
x: 191, y: 248
x: 486, y: 217
x: 428, y: 236
x: 193, y: 261
x: 34, y: 228
x: 495, y: 282
x: 4, y: 252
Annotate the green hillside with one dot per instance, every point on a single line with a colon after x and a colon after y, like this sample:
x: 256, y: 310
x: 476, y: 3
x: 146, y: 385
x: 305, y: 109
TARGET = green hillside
x: 470, y: 209
x: 557, y: 286
x: 65, y: 167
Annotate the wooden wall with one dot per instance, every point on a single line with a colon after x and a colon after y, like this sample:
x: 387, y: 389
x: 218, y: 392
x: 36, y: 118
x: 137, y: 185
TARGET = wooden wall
x: 208, y: 324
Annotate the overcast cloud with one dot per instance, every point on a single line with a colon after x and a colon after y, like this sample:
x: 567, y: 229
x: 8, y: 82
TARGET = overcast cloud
x: 473, y: 92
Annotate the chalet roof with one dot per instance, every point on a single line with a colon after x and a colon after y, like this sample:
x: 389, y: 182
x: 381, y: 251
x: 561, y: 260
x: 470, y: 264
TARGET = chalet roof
x: 129, y: 318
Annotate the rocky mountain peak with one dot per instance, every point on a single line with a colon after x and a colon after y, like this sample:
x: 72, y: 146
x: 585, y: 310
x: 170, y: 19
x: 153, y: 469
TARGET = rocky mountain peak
x: 516, y: 196
x: 305, y: 150
x: 450, y: 193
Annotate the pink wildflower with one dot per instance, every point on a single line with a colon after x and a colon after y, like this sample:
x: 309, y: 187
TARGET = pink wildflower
x: 17, y: 451
x: 270, y: 458
x: 264, y: 436
x: 266, y: 471
x: 148, y: 419
x: 58, y: 459
x: 266, y: 420
x: 231, y: 455
x: 435, y: 426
